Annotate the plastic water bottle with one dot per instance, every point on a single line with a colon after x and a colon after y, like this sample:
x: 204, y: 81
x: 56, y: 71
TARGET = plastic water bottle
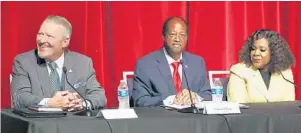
x: 123, y: 95
x: 217, y: 90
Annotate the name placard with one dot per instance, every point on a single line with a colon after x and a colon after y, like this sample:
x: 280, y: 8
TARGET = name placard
x: 119, y: 113
x: 221, y: 108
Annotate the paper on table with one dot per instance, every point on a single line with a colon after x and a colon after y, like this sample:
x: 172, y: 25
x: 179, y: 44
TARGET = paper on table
x: 200, y: 105
x: 221, y: 108
x: 44, y: 108
x: 119, y: 113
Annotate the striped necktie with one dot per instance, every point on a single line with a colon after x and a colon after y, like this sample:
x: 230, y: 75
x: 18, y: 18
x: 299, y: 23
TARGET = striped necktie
x: 54, y: 77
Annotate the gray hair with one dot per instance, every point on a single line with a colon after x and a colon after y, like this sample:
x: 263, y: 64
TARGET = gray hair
x: 61, y: 21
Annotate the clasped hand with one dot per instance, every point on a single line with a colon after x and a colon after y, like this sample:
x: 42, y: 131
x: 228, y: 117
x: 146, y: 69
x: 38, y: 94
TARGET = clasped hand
x: 183, y: 98
x: 66, y: 100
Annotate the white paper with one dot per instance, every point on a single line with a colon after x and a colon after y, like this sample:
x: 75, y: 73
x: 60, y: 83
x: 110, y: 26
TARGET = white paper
x: 43, y: 108
x: 201, y: 105
x: 50, y: 109
x: 221, y: 108
x: 169, y: 101
x: 119, y: 113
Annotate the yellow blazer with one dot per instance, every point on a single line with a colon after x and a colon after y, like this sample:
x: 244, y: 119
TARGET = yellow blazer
x: 247, y: 86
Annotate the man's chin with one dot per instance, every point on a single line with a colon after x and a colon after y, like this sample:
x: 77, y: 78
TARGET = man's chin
x: 42, y: 55
x: 176, y: 51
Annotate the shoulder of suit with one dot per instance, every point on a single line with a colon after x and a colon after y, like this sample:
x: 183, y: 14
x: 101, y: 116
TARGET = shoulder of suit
x: 150, y: 56
x: 287, y: 73
x: 26, y: 55
x: 289, y: 70
x: 78, y: 56
x: 242, y: 69
x: 239, y: 67
x: 192, y: 56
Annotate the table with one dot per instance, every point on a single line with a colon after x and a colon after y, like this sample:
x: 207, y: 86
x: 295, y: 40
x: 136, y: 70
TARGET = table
x: 280, y: 117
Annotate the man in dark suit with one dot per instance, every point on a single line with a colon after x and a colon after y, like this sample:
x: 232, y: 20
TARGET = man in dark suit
x: 39, y: 75
x: 159, y: 76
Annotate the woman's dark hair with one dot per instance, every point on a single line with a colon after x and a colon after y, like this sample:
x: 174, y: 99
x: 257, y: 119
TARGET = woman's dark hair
x: 281, y: 55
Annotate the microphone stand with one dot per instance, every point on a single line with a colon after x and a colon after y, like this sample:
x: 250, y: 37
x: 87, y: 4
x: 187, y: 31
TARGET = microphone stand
x: 290, y: 82
x: 87, y: 111
x: 192, y: 108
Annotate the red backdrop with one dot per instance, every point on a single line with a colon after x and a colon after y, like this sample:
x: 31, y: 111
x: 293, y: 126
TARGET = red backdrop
x: 116, y: 34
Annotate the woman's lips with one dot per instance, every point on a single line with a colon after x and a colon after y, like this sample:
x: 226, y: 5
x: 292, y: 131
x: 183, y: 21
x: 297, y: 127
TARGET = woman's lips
x: 256, y: 60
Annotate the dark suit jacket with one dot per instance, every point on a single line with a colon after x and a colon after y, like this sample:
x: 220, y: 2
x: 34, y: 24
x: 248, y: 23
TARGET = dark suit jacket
x: 31, y: 80
x: 153, y: 80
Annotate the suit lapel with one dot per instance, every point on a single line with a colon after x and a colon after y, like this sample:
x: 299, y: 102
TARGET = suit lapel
x: 188, y: 70
x: 165, y: 70
x: 69, y: 64
x: 260, y: 85
x: 43, y: 76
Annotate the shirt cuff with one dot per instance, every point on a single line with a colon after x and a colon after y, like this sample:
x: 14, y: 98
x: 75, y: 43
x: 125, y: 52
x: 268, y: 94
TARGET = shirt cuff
x: 89, y: 104
x: 44, y: 102
x: 199, y: 98
x: 169, y: 100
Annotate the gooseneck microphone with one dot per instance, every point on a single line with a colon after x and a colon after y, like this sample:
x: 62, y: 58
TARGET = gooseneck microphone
x: 192, y: 108
x: 87, y: 111
x: 289, y: 80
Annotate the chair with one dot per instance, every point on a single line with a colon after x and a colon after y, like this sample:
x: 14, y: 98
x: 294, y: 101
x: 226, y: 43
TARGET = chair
x: 223, y: 80
x: 11, y: 97
x: 129, y: 82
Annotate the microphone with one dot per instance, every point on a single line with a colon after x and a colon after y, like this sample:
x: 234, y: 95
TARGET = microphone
x: 235, y: 74
x: 87, y: 111
x: 192, y: 108
x: 289, y: 81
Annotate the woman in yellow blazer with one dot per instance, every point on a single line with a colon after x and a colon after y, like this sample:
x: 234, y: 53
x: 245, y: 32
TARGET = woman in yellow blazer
x: 263, y: 71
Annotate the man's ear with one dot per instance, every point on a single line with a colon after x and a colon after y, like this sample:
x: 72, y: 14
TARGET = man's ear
x: 164, y: 39
x: 66, y: 42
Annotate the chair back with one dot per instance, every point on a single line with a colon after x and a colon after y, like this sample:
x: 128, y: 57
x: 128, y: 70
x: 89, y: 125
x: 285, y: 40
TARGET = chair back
x: 224, y: 80
x: 129, y: 82
x: 11, y: 96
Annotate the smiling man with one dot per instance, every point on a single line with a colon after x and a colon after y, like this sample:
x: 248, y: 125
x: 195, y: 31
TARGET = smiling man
x: 40, y: 76
x: 159, y: 76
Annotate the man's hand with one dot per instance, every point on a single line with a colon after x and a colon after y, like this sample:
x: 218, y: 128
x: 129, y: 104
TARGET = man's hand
x: 76, y: 103
x: 66, y: 100
x: 183, y: 98
x: 59, y: 100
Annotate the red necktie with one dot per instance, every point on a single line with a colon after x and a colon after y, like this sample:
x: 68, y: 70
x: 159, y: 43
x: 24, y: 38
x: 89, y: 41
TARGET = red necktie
x: 176, y: 77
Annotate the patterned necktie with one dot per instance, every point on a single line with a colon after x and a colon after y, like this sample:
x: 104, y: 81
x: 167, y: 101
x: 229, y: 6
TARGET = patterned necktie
x: 176, y: 77
x: 54, y: 77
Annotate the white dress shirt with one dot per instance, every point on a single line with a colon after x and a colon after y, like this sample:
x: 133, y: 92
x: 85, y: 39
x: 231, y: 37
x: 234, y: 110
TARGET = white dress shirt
x: 60, y: 65
x: 169, y: 100
x: 59, y: 69
x: 171, y: 60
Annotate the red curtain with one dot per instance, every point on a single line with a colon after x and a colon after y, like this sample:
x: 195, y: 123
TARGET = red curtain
x: 116, y: 34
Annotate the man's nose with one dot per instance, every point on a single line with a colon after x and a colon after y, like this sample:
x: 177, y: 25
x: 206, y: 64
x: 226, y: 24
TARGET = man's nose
x: 177, y: 38
x: 42, y: 39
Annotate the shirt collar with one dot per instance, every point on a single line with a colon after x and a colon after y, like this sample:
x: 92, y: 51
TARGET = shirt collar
x: 59, y: 61
x: 170, y: 59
